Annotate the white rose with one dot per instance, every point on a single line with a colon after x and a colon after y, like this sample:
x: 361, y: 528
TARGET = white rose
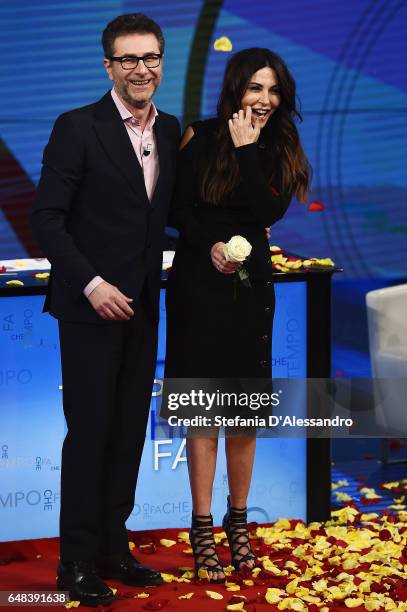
x: 237, y: 249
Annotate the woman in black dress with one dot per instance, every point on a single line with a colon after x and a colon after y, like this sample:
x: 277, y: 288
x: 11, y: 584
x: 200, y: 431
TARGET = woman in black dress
x: 237, y: 174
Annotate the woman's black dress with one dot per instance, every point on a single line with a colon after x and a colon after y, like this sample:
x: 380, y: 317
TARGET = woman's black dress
x: 217, y: 327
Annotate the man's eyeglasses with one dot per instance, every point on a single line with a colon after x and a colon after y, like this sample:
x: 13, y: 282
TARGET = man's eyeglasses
x: 128, y: 62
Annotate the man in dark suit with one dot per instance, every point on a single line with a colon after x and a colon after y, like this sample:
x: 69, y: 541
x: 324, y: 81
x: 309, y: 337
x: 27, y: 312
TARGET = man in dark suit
x: 99, y: 216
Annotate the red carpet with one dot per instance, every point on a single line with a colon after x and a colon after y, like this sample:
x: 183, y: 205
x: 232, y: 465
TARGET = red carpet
x: 30, y: 565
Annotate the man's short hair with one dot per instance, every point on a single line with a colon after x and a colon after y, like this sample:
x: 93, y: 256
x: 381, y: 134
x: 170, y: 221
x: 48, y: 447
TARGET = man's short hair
x: 132, y: 23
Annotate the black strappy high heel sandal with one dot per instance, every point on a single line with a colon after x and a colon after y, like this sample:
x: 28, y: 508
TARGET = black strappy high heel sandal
x: 203, y: 546
x: 235, y: 526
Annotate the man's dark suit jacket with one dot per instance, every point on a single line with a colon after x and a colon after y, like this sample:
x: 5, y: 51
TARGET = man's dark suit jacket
x: 92, y: 216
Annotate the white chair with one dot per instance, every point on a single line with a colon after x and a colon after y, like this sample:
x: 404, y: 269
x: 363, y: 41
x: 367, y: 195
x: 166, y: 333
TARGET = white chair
x: 387, y: 322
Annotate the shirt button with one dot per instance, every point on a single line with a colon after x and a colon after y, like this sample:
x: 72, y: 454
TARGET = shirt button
x: 264, y: 363
x: 265, y: 337
x: 269, y: 283
x: 267, y: 309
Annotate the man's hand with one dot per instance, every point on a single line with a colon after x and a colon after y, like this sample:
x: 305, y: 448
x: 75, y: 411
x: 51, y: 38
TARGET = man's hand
x: 110, y: 303
x: 220, y: 262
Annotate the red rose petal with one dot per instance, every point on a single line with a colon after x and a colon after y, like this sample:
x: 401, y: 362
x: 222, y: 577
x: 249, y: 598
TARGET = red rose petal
x: 315, y: 206
x: 384, y: 534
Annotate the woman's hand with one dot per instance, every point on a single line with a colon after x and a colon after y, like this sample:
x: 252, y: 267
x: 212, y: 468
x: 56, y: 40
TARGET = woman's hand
x: 241, y: 128
x: 220, y: 262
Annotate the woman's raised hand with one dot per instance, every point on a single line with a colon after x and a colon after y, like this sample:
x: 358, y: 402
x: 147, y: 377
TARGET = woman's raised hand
x: 241, y: 128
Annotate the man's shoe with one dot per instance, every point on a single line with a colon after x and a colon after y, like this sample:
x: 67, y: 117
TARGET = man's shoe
x: 128, y: 570
x: 83, y: 584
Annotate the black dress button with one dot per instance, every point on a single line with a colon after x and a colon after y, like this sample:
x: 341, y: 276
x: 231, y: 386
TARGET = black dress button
x: 267, y: 309
x: 265, y: 337
x: 264, y: 363
x: 269, y: 283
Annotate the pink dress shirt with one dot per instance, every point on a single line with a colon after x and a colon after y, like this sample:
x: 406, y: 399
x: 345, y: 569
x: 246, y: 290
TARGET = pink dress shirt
x: 142, y: 140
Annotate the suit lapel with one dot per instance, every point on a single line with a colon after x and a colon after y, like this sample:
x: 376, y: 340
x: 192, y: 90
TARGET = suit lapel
x: 163, y: 157
x: 113, y: 136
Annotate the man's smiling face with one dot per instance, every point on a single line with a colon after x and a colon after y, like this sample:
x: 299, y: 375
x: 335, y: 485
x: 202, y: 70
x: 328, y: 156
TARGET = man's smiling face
x: 135, y: 87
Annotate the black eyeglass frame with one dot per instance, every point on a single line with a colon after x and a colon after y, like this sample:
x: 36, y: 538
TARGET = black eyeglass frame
x: 122, y: 58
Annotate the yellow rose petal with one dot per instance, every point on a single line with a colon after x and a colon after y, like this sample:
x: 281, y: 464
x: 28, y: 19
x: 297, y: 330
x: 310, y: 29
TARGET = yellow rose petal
x: 187, y: 551
x: 293, y: 265
x: 368, y: 516
x: 236, y: 606
x: 274, y: 595
x: 186, y: 596
x: 218, y: 537
x: 353, y: 602
x: 248, y: 582
x: 373, y: 496
x: 340, y: 483
x: 223, y: 44
x: 291, y: 586
x: 132, y: 545
x: 15, y: 283
x: 42, y: 275
x: 372, y: 604
x: 320, y: 585
x: 235, y: 587
x: 342, y: 496
x: 203, y: 574
x: 168, y: 577
x: 280, y: 259
x: 142, y: 596
x: 291, y: 603
x: 183, y: 536
x: 214, y: 595
x: 188, y: 574
x: 72, y: 604
x: 167, y: 543
x: 390, y: 485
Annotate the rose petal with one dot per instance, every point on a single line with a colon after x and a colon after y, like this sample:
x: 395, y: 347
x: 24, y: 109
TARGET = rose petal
x: 214, y: 595
x: 223, y: 44
x: 315, y: 206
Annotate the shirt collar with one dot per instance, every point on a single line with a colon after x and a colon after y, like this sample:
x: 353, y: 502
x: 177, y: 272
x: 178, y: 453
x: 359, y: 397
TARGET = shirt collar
x: 126, y: 114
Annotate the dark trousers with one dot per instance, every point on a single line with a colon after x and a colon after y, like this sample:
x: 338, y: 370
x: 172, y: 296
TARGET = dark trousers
x: 107, y: 376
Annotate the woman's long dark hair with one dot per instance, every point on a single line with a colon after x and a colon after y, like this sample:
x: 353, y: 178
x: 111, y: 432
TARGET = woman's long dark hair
x: 289, y: 170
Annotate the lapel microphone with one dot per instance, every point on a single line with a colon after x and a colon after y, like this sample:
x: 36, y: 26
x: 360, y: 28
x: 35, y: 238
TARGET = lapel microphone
x: 147, y: 150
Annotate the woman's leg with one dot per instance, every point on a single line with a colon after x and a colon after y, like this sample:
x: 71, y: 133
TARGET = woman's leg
x: 201, y: 457
x: 240, y: 458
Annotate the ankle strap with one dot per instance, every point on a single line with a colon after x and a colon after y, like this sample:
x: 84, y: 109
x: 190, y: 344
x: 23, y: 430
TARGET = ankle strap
x: 202, y: 520
x: 202, y: 516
